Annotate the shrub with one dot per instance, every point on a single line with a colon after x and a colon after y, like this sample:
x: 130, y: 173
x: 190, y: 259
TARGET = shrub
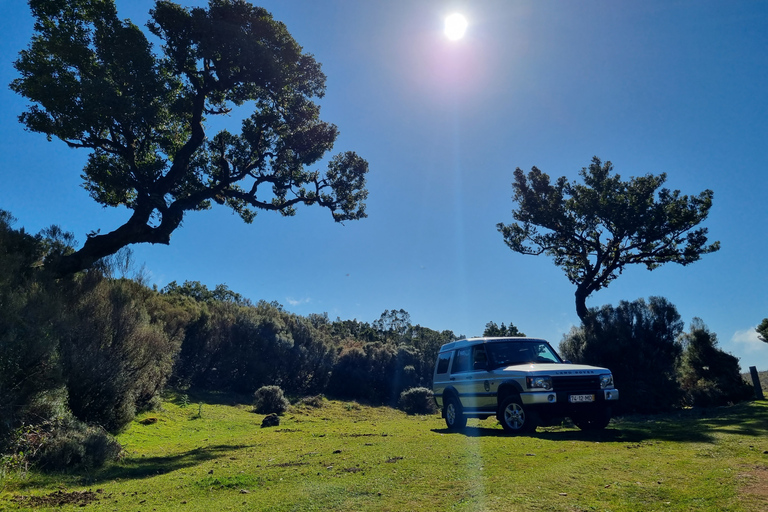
x: 64, y: 444
x: 78, y: 446
x: 312, y: 401
x: 708, y: 375
x: 417, y: 401
x: 270, y: 400
x: 637, y: 341
x: 116, y: 358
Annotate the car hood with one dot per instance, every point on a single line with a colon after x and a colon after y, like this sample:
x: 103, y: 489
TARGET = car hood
x: 556, y: 369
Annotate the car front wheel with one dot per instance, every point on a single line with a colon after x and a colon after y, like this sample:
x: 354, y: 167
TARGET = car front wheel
x: 514, y: 418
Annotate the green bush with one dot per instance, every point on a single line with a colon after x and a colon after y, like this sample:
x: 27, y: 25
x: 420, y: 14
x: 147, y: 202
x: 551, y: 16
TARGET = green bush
x: 637, y: 341
x: 312, y: 401
x: 708, y: 375
x: 78, y: 446
x: 270, y: 400
x: 62, y: 444
x: 417, y: 401
x: 115, y: 355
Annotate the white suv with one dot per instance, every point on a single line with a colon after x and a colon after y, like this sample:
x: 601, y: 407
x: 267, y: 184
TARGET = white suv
x: 523, y: 382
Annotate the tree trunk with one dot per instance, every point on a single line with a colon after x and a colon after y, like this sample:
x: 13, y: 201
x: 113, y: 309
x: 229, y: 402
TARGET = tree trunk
x: 581, y: 304
x: 134, y: 231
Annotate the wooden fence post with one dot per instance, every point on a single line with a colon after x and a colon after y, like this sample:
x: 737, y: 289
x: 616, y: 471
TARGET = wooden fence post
x: 756, y: 383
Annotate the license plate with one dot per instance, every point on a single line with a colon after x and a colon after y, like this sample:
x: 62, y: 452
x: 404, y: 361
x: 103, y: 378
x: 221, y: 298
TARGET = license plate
x: 577, y: 399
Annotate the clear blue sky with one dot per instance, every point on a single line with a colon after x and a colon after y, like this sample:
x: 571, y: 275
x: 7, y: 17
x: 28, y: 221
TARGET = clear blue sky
x: 656, y: 86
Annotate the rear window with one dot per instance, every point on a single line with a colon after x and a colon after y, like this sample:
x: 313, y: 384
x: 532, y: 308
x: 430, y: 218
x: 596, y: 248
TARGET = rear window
x: 442, y: 362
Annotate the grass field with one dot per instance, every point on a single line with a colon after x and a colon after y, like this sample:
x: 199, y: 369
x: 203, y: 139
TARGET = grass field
x: 345, y: 456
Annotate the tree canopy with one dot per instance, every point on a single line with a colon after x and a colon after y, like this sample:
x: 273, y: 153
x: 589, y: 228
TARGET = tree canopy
x: 96, y: 82
x: 762, y: 330
x: 594, y: 229
x: 493, y: 330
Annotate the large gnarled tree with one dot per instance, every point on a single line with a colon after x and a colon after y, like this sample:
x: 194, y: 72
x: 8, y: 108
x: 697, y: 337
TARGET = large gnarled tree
x: 594, y: 229
x: 96, y: 82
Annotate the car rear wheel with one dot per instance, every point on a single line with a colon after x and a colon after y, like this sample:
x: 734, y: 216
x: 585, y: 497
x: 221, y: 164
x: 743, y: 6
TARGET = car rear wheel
x: 514, y: 418
x: 454, y: 414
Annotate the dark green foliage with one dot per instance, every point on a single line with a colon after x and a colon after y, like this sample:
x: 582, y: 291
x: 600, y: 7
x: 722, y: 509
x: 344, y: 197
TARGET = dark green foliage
x: 270, y: 400
x: 315, y: 401
x: 393, y: 325
x: 762, y: 330
x: 63, y: 444
x: 361, y: 372
x: 201, y: 293
x: 375, y: 372
x: 115, y: 356
x: 637, y: 342
x: 94, y: 81
x: 231, y: 347
x: 78, y: 446
x: 32, y: 308
x: 98, y: 347
x: 594, y: 229
x: 417, y: 401
x: 709, y: 376
x: 493, y: 330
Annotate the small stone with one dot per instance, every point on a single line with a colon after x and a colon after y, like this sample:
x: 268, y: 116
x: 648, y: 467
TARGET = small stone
x: 563, y: 494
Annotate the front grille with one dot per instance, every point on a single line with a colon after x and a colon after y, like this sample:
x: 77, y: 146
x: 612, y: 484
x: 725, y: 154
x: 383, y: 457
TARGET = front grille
x: 588, y: 383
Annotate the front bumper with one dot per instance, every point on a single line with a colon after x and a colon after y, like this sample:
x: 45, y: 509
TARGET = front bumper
x: 563, y: 397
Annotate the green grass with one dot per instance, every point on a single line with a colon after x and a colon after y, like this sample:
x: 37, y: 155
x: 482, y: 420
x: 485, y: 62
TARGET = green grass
x: 346, y: 456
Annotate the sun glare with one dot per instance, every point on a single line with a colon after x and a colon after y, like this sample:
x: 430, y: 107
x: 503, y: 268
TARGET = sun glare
x: 455, y: 26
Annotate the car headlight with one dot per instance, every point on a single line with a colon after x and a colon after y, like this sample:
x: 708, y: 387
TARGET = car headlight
x: 606, y: 380
x: 543, y: 382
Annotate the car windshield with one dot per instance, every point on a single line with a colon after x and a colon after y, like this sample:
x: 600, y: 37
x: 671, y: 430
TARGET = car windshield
x: 509, y: 353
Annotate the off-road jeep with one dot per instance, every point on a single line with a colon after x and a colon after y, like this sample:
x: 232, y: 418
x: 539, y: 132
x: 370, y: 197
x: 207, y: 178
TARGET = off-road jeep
x: 522, y: 381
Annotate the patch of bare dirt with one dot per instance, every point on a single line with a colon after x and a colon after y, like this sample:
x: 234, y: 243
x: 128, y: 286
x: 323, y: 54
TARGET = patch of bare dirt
x: 754, y: 486
x: 61, y: 498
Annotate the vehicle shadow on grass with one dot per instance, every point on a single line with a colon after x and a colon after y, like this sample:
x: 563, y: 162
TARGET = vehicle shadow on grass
x: 557, y: 434
x: 685, y: 426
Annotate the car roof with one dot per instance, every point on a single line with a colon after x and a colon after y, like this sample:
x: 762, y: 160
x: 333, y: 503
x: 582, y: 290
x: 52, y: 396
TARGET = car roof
x: 468, y: 342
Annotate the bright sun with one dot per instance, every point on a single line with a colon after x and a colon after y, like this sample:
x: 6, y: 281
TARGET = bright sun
x: 455, y: 26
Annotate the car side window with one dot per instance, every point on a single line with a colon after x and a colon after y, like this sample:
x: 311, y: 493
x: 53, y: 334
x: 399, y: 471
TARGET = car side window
x: 462, y: 361
x: 442, y: 362
x: 480, y: 359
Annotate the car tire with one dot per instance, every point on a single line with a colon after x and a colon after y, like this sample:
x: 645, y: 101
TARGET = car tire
x: 454, y: 414
x: 514, y: 417
x: 596, y: 420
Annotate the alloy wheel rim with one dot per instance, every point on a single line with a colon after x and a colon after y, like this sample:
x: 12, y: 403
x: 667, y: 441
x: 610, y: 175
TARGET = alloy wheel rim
x: 514, y: 416
x: 450, y: 414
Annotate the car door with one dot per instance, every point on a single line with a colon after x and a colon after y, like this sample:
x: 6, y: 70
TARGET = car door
x: 469, y: 376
